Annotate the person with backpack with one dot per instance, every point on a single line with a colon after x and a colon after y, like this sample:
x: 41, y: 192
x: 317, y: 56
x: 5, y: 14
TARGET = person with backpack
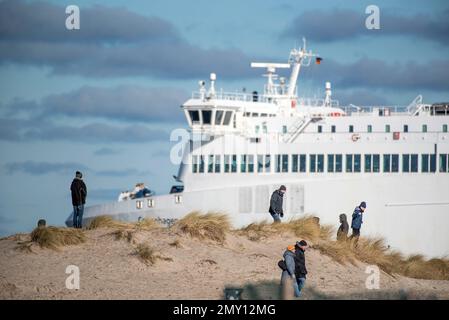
x: 288, y: 269
x: 357, y: 220
x: 79, y: 193
x: 300, y: 265
x: 276, y: 201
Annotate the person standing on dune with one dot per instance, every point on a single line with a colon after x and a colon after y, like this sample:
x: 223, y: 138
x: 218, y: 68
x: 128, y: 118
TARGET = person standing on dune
x: 276, y: 201
x: 357, y: 220
x: 79, y: 194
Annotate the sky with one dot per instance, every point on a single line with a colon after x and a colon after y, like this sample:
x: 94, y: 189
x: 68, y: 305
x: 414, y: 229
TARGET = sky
x: 103, y: 99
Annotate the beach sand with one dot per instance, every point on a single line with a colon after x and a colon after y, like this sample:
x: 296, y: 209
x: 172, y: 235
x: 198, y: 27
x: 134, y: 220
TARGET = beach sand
x: 200, y: 269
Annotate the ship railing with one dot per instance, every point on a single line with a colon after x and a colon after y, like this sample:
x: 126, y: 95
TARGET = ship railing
x: 353, y: 110
x: 231, y: 96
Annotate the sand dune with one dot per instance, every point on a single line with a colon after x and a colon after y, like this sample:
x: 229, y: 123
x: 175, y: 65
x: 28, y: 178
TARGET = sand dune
x: 191, y: 269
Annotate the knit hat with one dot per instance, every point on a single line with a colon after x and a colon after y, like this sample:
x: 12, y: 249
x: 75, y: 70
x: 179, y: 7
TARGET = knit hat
x: 363, y: 205
x: 301, y: 243
x: 78, y: 175
x: 291, y: 248
x: 283, y: 188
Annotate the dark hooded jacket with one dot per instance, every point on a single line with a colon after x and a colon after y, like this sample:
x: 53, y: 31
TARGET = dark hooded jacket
x: 276, y: 203
x: 79, y: 192
x: 300, y: 263
x: 357, y: 218
x: 342, y: 232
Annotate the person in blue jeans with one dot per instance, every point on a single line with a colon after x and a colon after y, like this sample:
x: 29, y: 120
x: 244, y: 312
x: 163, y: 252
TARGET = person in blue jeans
x: 289, y: 271
x: 300, y: 265
x: 79, y: 193
x: 276, y: 201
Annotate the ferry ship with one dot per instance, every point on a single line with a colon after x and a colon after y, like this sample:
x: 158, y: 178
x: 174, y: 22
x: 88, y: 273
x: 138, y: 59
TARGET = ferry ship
x: 240, y: 147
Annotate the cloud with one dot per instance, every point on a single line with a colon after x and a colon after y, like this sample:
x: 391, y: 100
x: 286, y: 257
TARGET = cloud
x: 106, y: 152
x: 127, y: 103
x: 343, y: 24
x: 104, y: 194
x: 37, y: 168
x: 122, y: 173
x: 375, y: 74
x: 41, y: 168
x: 111, y: 42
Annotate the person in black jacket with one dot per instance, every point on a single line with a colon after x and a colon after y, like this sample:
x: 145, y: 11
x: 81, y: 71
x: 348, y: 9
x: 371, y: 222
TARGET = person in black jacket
x: 300, y: 264
x: 276, y: 200
x: 79, y: 194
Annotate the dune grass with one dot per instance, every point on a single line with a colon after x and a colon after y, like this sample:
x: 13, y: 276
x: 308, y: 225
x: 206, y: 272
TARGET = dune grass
x: 108, y: 222
x: 176, y: 243
x: 212, y: 225
x: 148, y: 255
x: 306, y: 227
x: 54, y: 237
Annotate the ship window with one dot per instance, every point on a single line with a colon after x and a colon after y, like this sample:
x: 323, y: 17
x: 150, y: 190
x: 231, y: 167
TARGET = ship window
x: 312, y: 163
x: 263, y: 114
x: 267, y: 163
x: 351, y: 128
x: 445, y: 128
x: 150, y: 203
x: 234, y: 163
x: 394, y: 163
x: 227, y: 161
x: 387, y: 162
x: 349, y: 163
x: 368, y: 162
x: 243, y: 163
x: 376, y: 163
x: 201, y: 168
x: 210, y: 164
x: 295, y: 158
x: 320, y: 129
x: 333, y: 129
x: 178, y: 199
x: 405, y: 163
x: 139, y: 204
x: 284, y: 129
x: 257, y: 129
x: 387, y: 128
x: 218, y: 117
x: 414, y: 163
x: 217, y: 163
x: 247, y: 114
x: 424, y: 128
x: 330, y: 162
x: 443, y: 163
x: 405, y: 128
x: 277, y: 162
x: 264, y: 128
x: 227, y: 118
x: 260, y: 163
x: 433, y: 163
x: 424, y: 163
x: 302, y: 163
x: 320, y: 163
x: 338, y: 163
x: 207, y: 116
x: 194, y: 164
x: 357, y: 162
x: 370, y: 128
x: 254, y: 115
x: 285, y: 163
x: 250, y: 163
x: 194, y: 116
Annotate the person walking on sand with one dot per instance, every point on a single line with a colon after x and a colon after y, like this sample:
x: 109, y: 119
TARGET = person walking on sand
x: 276, y: 200
x: 79, y: 194
x: 342, y: 233
x: 288, y: 270
x: 300, y: 265
x: 357, y: 220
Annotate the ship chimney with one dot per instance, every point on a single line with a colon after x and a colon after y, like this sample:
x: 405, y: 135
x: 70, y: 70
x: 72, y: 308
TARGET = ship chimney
x: 327, y: 100
x: 213, y: 77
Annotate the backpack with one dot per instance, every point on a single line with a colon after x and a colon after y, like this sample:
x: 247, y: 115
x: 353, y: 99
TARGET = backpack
x: 282, y: 265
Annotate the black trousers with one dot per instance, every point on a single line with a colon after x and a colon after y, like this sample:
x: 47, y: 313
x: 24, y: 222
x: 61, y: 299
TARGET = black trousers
x: 355, y: 233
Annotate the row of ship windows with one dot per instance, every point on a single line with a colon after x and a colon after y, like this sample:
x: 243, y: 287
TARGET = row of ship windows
x: 369, y: 128
x: 284, y: 163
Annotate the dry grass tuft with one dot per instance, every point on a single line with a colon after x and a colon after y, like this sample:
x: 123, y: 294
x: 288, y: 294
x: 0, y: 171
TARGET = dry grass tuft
x: 53, y: 237
x: 212, y: 225
x: 121, y: 234
x: 148, y: 255
x: 177, y: 244
x: 106, y: 222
